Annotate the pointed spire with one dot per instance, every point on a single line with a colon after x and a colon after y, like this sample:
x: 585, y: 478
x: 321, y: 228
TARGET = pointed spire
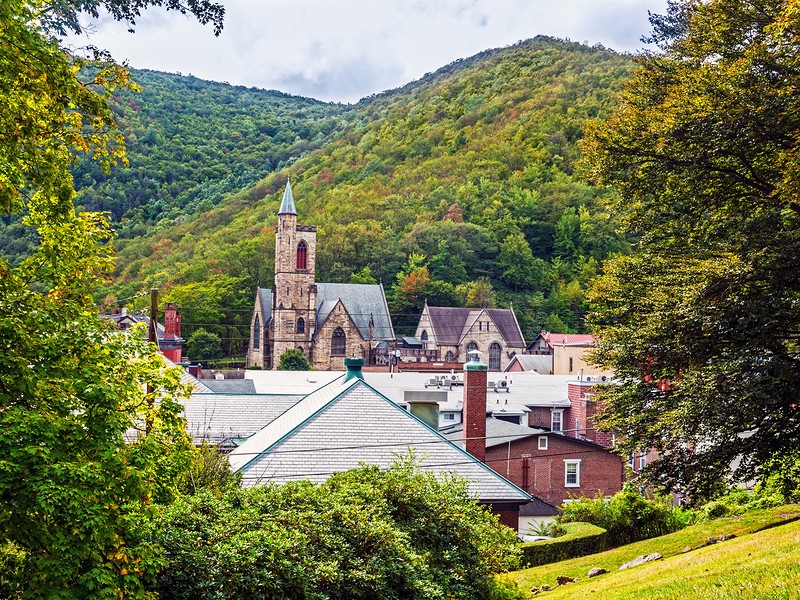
x: 287, y: 205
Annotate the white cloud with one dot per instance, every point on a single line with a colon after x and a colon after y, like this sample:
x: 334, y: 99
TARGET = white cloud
x: 348, y: 49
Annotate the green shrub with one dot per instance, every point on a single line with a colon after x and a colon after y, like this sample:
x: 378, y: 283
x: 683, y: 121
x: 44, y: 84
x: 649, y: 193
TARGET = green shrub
x: 366, y: 533
x: 627, y: 516
x: 579, y: 539
x: 549, y: 529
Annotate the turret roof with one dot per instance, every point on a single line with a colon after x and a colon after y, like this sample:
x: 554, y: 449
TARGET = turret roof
x: 287, y: 204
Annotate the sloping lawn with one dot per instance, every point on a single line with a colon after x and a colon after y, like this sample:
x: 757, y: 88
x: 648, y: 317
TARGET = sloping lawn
x: 763, y: 561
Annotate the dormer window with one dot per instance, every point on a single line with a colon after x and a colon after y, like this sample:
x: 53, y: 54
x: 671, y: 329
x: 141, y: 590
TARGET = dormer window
x: 302, y: 256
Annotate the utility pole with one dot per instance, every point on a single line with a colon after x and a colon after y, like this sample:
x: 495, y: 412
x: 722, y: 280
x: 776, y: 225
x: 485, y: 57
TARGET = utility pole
x: 152, y: 336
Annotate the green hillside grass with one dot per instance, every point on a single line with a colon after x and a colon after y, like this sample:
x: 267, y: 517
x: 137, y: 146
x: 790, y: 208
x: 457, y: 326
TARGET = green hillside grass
x: 763, y: 561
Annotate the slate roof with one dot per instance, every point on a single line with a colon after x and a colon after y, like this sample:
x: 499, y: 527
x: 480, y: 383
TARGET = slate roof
x: 346, y: 423
x: 265, y: 298
x: 230, y: 386
x: 538, y: 508
x: 498, y: 432
x: 287, y: 204
x: 533, y: 362
x: 362, y: 301
x: 217, y: 417
x: 451, y: 324
x: 506, y: 321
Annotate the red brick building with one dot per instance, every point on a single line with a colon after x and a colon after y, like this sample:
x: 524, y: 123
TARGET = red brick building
x: 549, y: 465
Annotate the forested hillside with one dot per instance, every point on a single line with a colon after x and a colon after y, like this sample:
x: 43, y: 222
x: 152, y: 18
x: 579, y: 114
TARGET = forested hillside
x: 459, y: 188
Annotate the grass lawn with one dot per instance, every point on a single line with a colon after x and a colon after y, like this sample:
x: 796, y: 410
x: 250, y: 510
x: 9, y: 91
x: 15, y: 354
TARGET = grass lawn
x: 763, y: 561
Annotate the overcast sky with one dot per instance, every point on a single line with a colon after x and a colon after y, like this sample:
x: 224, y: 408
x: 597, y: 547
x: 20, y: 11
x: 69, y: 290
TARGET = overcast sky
x: 343, y: 50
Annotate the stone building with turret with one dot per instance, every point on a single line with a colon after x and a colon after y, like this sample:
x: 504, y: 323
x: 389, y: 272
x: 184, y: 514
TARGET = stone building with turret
x: 326, y: 321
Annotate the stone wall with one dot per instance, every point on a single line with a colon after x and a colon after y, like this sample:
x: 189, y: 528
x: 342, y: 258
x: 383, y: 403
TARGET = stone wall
x: 356, y: 347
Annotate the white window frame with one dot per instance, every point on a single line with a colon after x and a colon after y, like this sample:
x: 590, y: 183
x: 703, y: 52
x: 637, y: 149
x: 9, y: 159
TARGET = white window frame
x: 569, y: 462
x: 560, y: 413
x: 448, y: 416
x: 542, y: 442
x: 642, y: 460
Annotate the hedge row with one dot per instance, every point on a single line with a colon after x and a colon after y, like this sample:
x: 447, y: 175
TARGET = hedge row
x: 580, y: 539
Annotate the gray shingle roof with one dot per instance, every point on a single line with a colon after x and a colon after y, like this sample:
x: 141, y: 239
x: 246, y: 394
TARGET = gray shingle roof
x: 230, y: 386
x: 265, y: 298
x: 344, y: 424
x: 362, y: 301
x: 498, y: 432
x: 451, y: 324
x: 217, y: 417
x: 541, y: 363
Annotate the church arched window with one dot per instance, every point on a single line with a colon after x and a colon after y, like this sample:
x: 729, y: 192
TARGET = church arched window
x: 338, y: 342
x: 424, y: 339
x: 470, y: 347
x: 257, y: 334
x: 494, y: 356
x: 302, y: 255
x: 448, y: 358
x: 301, y: 325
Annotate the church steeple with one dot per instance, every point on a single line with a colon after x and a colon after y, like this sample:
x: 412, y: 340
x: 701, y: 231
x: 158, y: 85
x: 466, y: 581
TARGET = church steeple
x: 287, y: 204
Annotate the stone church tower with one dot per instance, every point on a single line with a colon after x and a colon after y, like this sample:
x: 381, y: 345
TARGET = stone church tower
x: 294, y: 295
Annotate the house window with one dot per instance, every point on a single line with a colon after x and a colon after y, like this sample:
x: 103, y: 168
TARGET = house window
x: 642, y: 460
x: 301, y: 325
x: 570, y: 364
x: 480, y: 325
x: 449, y: 416
x: 572, y: 473
x: 542, y: 442
x: 494, y: 356
x: 448, y: 358
x: 556, y: 419
x: 338, y: 342
x: 631, y: 461
x: 302, y: 255
x: 487, y: 325
x: 257, y: 333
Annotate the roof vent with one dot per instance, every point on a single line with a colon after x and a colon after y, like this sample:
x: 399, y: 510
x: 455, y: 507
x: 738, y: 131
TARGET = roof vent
x: 353, y: 366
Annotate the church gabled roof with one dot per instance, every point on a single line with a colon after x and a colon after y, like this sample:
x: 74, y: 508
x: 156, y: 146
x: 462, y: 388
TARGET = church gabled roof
x: 363, y: 302
x: 287, y: 204
x: 451, y: 324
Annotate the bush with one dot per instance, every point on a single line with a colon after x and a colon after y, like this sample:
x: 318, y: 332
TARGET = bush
x: 366, y: 533
x: 738, y: 501
x: 579, y: 539
x: 627, y: 516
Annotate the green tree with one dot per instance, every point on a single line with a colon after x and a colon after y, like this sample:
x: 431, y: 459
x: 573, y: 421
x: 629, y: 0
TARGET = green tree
x: 203, y: 345
x: 520, y: 269
x: 294, y: 360
x: 703, y: 151
x: 72, y: 389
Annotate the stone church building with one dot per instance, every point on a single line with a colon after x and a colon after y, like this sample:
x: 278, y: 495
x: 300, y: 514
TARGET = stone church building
x: 327, y: 321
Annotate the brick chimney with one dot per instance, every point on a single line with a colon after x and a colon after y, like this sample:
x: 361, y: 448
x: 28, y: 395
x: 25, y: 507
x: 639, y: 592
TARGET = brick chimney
x: 475, y: 376
x: 172, y: 321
